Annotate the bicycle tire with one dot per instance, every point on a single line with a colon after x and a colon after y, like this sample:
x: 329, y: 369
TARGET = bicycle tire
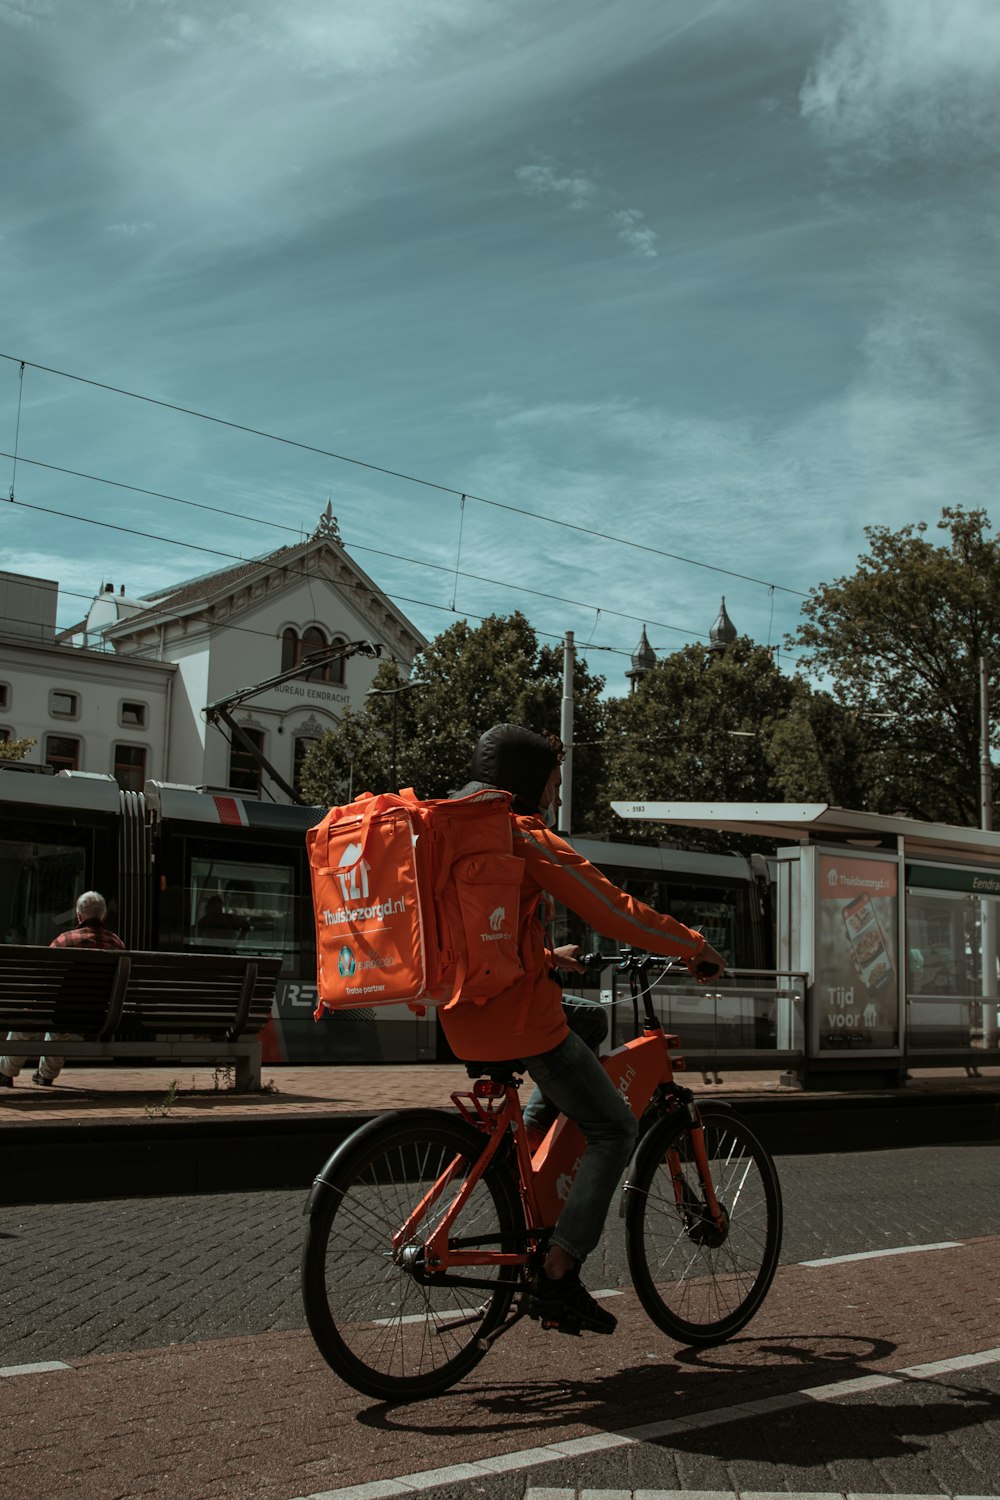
x: 376, y: 1324
x: 696, y: 1285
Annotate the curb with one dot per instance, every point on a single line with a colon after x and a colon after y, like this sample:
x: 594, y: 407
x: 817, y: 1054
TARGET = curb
x: 60, y: 1163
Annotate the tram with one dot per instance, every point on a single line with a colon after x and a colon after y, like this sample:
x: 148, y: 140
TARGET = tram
x: 184, y: 868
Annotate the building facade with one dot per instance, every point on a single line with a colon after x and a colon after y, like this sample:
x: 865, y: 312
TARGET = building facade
x: 124, y: 691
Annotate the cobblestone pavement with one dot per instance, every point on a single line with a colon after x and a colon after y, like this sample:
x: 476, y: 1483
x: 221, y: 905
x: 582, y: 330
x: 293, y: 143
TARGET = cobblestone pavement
x: 95, y: 1278
x: 186, y: 1373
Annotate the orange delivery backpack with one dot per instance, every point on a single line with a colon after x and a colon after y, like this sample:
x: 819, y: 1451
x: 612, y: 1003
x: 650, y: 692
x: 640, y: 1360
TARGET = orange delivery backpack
x: 415, y: 901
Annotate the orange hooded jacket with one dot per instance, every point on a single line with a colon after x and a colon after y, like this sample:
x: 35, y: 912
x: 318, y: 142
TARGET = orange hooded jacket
x: 528, y: 1018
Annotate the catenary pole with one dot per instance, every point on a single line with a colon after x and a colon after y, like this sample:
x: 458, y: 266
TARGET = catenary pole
x: 987, y: 908
x: 566, y: 735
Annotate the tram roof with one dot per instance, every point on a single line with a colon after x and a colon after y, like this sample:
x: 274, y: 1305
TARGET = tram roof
x: 818, y: 822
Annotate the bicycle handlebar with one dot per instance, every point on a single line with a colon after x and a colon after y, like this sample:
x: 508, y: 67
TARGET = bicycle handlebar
x: 631, y: 959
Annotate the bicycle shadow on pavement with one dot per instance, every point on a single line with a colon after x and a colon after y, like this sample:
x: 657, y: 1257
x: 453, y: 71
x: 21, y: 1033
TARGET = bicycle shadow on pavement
x: 665, y: 1386
x: 898, y: 1421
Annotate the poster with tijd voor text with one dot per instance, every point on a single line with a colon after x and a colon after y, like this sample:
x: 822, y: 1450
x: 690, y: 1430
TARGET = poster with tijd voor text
x: 857, y: 989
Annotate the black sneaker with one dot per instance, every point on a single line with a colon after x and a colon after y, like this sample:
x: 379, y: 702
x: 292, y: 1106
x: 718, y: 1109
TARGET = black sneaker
x: 45, y: 1083
x: 567, y: 1306
x: 6, y: 1082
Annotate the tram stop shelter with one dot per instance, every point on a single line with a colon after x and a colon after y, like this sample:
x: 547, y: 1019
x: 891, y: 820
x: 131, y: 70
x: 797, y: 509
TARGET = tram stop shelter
x: 890, y: 923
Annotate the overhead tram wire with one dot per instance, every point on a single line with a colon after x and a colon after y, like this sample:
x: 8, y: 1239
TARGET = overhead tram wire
x: 360, y: 463
x: 296, y: 572
x: 355, y: 546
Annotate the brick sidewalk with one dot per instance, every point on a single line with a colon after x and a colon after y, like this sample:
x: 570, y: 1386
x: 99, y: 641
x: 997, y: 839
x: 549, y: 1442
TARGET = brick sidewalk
x: 261, y: 1418
x: 121, y: 1095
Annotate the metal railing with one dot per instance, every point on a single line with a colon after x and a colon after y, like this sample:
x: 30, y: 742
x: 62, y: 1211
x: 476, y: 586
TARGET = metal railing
x: 749, y: 1020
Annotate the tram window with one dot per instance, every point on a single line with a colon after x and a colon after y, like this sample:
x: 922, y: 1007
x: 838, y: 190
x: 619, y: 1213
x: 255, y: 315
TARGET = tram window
x: 716, y: 919
x: 62, y: 752
x: 39, y: 884
x: 236, y: 904
x: 130, y: 767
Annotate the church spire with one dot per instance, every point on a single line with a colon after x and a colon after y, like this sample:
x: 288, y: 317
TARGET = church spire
x: 723, y: 633
x: 643, y: 661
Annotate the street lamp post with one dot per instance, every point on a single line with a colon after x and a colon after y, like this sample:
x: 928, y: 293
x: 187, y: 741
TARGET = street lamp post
x: 393, y: 693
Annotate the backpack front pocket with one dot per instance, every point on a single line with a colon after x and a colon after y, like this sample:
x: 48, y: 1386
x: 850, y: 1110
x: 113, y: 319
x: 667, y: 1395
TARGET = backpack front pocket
x: 488, y: 887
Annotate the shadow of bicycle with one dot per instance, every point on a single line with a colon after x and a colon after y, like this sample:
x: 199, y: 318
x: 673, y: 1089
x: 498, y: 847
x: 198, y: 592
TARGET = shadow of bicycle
x: 660, y: 1389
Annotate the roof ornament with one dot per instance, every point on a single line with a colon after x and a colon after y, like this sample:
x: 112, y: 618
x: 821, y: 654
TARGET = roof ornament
x: 643, y: 661
x: 723, y: 633
x: 328, y: 528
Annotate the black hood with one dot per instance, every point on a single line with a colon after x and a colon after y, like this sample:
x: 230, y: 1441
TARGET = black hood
x: 516, y: 760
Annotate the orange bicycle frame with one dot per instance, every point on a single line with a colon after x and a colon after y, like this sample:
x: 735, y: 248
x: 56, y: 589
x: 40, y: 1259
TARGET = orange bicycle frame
x: 637, y: 1069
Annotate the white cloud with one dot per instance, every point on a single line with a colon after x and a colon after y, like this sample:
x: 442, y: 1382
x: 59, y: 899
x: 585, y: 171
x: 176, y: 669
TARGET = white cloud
x: 636, y: 233
x: 129, y: 230
x: 909, y: 77
x: 25, y: 12
x: 543, y: 177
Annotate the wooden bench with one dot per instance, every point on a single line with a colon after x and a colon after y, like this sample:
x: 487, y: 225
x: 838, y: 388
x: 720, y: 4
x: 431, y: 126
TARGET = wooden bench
x: 204, y: 1006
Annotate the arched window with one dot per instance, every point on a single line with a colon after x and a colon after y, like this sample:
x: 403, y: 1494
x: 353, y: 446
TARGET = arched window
x: 313, y: 639
x: 289, y: 649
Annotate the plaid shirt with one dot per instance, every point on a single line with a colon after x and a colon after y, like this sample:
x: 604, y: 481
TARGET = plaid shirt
x: 89, y: 934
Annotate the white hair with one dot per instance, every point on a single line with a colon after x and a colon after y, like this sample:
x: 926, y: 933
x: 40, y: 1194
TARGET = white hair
x: 90, y: 905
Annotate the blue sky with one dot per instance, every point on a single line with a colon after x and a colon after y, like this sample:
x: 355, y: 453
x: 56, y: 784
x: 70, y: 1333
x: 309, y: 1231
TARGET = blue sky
x: 719, y: 279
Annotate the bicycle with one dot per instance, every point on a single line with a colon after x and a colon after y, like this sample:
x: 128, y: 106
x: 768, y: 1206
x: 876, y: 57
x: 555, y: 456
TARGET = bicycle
x: 424, y: 1230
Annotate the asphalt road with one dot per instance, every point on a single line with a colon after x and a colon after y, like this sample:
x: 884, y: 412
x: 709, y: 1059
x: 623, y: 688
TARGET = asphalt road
x: 190, y: 1374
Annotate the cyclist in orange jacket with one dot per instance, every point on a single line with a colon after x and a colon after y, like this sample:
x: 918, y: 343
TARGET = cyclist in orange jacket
x: 526, y: 1024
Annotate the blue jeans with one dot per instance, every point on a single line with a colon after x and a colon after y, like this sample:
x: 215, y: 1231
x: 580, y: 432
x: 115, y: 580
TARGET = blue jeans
x: 589, y: 1020
x: 572, y: 1079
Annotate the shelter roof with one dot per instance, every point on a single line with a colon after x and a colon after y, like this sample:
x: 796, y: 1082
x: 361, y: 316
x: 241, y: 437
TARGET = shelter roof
x: 818, y: 822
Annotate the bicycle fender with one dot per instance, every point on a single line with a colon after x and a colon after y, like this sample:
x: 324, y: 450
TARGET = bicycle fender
x: 363, y: 1136
x: 652, y: 1140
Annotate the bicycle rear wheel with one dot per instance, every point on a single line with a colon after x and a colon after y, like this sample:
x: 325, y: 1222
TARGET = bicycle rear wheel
x: 699, y: 1283
x: 378, y: 1323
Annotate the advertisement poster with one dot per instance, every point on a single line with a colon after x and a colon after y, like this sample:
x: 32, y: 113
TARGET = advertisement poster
x: 857, y: 987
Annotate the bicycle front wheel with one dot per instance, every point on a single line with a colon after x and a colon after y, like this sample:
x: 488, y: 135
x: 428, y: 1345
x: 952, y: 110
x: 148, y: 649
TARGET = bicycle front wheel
x: 700, y: 1282
x: 378, y: 1320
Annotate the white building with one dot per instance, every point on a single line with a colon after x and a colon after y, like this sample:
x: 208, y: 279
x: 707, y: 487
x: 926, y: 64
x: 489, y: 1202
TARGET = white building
x: 123, y: 691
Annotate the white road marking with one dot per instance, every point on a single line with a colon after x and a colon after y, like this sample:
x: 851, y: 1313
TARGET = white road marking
x: 600, y: 1442
x: 39, y: 1369
x: 839, y: 1260
x: 585, y: 1494
x: 445, y: 1315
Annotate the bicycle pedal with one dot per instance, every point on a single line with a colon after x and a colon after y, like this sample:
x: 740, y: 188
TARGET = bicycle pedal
x: 562, y: 1325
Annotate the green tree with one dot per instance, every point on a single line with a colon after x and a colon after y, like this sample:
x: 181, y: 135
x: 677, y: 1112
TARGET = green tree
x: 471, y: 677
x: 715, y: 726
x: 15, y: 749
x: 900, y: 641
x: 729, y: 726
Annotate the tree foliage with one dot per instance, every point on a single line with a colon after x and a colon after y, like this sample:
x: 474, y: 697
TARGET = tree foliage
x: 469, y: 677
x: 901, y: 640
x: 720, y: 726
x: 15, y: 749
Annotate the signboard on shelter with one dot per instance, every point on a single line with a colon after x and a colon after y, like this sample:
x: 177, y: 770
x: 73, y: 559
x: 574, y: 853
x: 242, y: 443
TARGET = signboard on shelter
x: 857, y: 970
